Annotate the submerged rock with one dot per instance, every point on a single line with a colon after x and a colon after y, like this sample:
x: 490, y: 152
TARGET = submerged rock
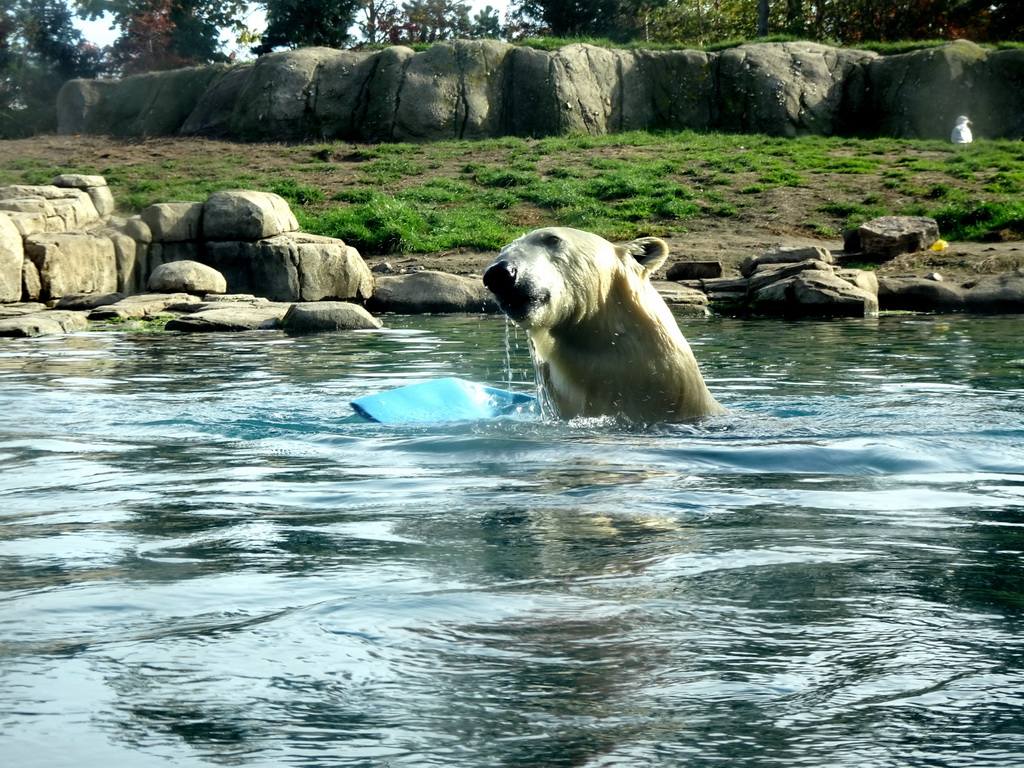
x: 428, y: 291
x: 228, y: 316
x: 45, y: 323
x: 919, y: 294
x: 1002, y: 293
x: 145, y: 305
x: 320, y: 316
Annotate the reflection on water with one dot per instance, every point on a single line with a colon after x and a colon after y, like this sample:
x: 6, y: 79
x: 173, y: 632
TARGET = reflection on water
x: 206, y: 558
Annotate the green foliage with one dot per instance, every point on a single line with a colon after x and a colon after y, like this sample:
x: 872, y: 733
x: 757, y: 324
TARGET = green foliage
x: 429, y: 197
x: 886, y: 26
x: 296, y: 23
x: 854, y: 213
x: 389, y: 169
x: 40, y: 49
x: 975, y: 220
x: 384, y: 223
x: 166, y: 34
x: 297, y: 193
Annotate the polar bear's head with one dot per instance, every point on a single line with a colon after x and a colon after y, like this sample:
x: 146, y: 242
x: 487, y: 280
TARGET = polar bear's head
x: 556, y: 275
x: 603, y: 341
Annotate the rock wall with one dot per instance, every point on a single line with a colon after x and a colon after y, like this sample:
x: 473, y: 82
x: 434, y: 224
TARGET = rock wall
x: 485, y: 88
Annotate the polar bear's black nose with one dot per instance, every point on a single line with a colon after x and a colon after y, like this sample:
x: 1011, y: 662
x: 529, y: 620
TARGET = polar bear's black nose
x: 500, y: 277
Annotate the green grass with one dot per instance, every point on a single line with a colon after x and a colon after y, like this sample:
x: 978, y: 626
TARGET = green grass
x: 382, y: 223
x: 461, y: 194
x: 965, y: 220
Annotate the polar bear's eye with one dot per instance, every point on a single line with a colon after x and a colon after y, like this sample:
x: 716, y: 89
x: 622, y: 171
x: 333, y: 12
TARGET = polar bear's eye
x: 553, y: 241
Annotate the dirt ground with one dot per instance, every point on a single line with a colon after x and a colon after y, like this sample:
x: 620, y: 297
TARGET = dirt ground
x: 775, y: 221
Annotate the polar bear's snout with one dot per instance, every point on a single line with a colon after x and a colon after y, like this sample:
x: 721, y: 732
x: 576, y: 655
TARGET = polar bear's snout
x: 516, y: 294
x: 500, y: 277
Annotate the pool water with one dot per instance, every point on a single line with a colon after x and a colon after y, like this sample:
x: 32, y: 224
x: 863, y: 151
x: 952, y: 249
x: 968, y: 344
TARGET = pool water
x: 206, y: 558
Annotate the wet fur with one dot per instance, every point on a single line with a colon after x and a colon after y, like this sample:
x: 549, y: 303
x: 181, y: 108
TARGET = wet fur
x: 603, y: 341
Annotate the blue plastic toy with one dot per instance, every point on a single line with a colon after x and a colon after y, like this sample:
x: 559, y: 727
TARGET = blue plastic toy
x: 442, y: 400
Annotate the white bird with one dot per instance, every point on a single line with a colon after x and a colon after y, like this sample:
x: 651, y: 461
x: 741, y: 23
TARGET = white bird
x: 961, y: 131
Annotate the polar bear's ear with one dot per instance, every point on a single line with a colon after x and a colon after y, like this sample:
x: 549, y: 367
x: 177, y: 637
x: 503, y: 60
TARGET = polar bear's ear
x: 649, y: 252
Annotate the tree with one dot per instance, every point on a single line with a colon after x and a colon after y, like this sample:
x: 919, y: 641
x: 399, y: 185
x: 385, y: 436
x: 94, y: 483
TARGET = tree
x: 701, y: 22
x: 161, y: 34
x: 850, y: 22
x: 431, y: 20
x: 39, y: 50
x: 295, y: 23
x: 486, y: 23
x: 572, y: 18
x: 146, y: 42
x: 380, y: 17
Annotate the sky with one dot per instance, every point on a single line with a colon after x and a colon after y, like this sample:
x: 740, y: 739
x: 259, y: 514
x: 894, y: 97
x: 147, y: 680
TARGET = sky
x: 99, y: 33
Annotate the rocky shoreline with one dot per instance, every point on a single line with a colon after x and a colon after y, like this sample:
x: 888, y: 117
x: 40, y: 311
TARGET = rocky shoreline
x: 237, y: 262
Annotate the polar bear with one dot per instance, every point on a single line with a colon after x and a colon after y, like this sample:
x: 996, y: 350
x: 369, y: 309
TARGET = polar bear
x: 603, y: 341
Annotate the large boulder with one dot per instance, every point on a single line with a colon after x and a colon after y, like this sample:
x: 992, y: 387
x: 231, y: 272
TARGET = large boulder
x: 44, y: 323
x: 132, y: 256
x: 293, y: 267
x: 94, y: 186
x: 452, y: 90
x: 887, y: 237
x: 814, y: 293
x: 771, y: 273
x: 174, y: 222
x: 320, y: 316
x: 12, y: 254
x: 145, y: 305
x: 683, y: 299
x: 63, y: 209
x: 1002, y: 293
x: 919, y: 94
x: 430, y: 292
x: 384, y: 92
x: 246, y: 215
x: 343, y: 88
x: 785, y: 89
x: 31, y: 284
x: 919, y: 294
x: 231, y: 316
x: 83, y: 105
x: 278, y: 96
x: 186, y: 277
x: 667, y: 90
x: 1001, y: 113
x: 73, y: 262
x: 787, y: 254
x: 149, y: 104
x: 214, y: 109
x: 585, y: 82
